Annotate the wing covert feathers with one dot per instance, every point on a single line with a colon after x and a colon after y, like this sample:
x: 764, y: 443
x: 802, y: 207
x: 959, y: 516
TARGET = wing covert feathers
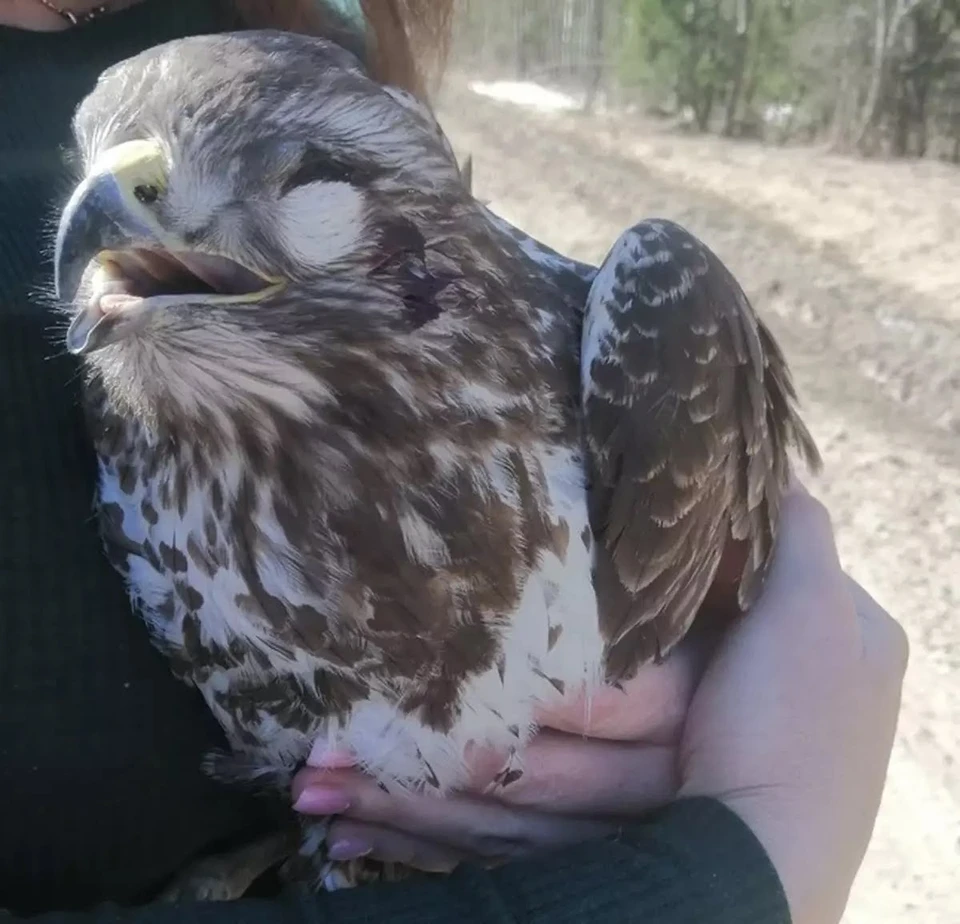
x: 689, y: 416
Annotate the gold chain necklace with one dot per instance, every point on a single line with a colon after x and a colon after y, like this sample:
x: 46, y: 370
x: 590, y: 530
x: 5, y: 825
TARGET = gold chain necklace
x: 76, y: 19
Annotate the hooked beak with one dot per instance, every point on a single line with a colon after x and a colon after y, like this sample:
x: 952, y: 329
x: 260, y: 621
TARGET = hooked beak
x: 107, y: 211
x: 112, y: 219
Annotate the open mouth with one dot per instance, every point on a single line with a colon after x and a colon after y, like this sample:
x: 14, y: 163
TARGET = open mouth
x: 130, y: 276
x: 128, y: 282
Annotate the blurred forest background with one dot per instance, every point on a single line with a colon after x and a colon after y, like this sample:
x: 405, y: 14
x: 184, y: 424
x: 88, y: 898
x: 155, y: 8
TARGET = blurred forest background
x: 874, y: 77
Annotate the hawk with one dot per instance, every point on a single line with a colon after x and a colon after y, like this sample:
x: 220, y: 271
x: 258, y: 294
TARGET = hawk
x: 379, y: 469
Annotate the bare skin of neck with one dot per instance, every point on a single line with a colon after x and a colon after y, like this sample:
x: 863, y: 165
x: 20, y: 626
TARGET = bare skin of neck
x: 33, y: 15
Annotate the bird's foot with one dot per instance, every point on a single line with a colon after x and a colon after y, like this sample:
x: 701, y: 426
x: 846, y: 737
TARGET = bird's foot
x: 311, y: 870
x: 227, y: 877
x: 351, y: 873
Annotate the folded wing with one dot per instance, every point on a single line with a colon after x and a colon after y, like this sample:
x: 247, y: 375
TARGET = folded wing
x: 689, y: 415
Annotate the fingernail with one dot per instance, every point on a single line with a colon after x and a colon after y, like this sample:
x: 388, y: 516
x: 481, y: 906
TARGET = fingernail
x: 348, y: 849
x: 318, y: 800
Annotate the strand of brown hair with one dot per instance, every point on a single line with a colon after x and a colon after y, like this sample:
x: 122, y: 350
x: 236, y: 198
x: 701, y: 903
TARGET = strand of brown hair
x: 407, y: 40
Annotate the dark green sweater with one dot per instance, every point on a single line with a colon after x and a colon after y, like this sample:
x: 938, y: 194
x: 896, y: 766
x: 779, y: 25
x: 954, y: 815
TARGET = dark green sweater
x: 101, y: 798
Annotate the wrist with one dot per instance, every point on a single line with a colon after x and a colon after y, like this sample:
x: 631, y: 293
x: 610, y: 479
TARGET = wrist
x: 814, y: 879
x: 727, y: 873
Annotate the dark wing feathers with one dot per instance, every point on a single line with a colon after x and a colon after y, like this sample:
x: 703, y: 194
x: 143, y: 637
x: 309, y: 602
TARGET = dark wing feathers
x: 688, y: 418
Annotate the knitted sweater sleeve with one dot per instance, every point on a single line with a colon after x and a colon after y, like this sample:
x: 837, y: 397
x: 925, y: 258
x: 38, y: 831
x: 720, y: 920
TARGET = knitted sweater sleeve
x: 695, y: 861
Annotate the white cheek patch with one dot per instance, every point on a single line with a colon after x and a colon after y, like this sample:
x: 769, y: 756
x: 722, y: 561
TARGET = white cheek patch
x: 321, y: 223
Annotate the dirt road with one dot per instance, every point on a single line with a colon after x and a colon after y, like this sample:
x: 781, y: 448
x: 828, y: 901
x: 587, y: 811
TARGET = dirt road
x: 857, y: 268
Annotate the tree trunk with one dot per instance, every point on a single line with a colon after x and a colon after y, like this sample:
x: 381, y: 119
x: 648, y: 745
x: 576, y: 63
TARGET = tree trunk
x: 753, y: 60
x: 923, y: 117
x: 900, y: 144
x: 887, y: 30
x: 597, y: 48
x: 704, y: 108
x: 876, y: 74
x: 744, y: 16
x: 526, y: 26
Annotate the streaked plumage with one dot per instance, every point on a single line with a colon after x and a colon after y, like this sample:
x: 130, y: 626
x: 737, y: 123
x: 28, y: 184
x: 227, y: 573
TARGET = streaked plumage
x: 410, y: 472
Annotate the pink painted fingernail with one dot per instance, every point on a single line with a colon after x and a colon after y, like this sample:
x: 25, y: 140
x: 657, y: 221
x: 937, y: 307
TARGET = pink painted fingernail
x: 348, y: 849
x: 319, y: 800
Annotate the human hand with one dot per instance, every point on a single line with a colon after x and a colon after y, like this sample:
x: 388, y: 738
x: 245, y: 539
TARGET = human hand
x: 36, y: 17
x: 793, y: 723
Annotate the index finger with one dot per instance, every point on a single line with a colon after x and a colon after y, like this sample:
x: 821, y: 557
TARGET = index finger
x: 805, y: 555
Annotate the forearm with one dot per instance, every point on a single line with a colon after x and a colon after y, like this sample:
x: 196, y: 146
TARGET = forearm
x: 693, y: 862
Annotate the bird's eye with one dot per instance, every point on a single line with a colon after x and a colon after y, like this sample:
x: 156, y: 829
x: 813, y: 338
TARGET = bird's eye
x: 146, y: 193
x: 319, y: 166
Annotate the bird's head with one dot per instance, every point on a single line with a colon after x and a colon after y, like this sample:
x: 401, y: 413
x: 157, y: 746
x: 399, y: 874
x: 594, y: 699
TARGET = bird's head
x: 245, y: 182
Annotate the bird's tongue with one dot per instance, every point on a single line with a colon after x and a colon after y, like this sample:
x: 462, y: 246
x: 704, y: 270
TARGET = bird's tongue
x: 114, y: 303
x: 92, y: 322
x: 85, y: 328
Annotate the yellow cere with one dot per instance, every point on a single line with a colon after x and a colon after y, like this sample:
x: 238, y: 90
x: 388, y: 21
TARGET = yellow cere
x: 135, y: 163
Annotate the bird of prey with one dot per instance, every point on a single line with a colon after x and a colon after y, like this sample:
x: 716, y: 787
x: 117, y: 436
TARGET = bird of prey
x: 379, y: 469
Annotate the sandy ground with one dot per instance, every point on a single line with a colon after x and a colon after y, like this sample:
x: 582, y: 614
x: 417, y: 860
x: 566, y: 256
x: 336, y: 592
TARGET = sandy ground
x: 857, y: 267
